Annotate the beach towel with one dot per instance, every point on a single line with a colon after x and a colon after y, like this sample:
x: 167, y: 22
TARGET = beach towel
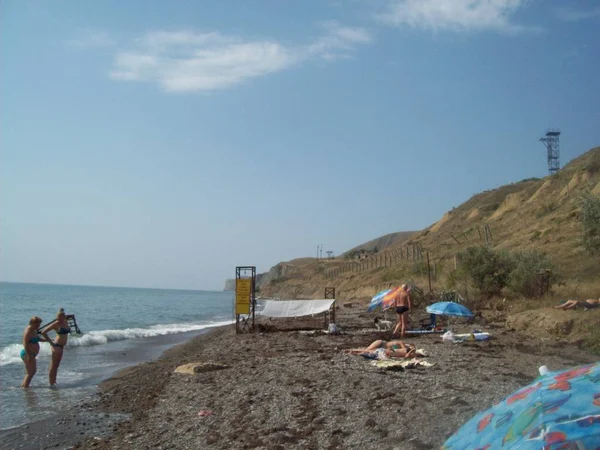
x: 379, y: 354
x: 404, y: 364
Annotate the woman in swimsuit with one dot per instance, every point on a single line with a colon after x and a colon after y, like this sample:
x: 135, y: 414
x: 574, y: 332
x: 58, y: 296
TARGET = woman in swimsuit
x: 31, y: 348
x: 392, y: 349
x: 61, y: 327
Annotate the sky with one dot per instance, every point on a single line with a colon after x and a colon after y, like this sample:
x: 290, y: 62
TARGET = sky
x: 160, y: 144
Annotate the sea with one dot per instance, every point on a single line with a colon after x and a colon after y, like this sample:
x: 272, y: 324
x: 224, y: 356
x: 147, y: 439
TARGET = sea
x: 120, y: 327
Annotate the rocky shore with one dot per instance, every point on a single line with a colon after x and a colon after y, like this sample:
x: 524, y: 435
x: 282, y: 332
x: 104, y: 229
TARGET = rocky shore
x: 296, y: 389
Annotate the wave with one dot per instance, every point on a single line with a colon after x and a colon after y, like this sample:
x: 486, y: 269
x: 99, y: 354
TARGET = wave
x: 11, y: 353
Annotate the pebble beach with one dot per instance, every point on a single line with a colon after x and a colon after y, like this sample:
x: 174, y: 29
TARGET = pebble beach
x: 294, y: 388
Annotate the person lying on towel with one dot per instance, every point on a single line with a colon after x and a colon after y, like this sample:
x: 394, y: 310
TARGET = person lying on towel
x: 391, y: 349
x: 590, y: 303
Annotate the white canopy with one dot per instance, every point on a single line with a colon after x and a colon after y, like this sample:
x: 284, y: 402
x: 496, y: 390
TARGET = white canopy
x: 291, y: 308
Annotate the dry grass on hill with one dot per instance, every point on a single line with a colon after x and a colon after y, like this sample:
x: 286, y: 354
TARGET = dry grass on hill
x: 535, y: 214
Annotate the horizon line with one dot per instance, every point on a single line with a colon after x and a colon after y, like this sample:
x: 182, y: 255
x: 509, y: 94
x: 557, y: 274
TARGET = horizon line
x: 107, y: 286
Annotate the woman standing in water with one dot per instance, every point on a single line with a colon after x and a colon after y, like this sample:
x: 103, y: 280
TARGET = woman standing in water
x: 62, y: 329
x: 31, y: 348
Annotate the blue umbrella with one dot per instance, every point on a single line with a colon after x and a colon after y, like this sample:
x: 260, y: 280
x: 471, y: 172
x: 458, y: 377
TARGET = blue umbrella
x: 558, y: 411
x: 377, y: 300
x: 449, y: 309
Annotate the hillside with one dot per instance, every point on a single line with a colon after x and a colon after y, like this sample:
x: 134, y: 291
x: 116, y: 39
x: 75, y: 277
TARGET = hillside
x: 383, y: 242
x: 539, y: 214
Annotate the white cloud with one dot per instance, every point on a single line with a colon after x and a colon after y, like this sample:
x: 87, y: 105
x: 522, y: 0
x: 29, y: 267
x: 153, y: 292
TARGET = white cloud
x: 574, y: 15
x: 338, y: 42
x: 185, y: 60
x: 92, y: 39
x: 454, y: 15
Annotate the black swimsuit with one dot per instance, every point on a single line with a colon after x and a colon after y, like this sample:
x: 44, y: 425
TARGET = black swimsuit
x: 401, y: 309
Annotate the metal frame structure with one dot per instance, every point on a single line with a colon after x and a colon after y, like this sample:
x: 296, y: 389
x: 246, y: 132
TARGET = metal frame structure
x: 245, y: 323
x: 330, y: 295
x: 552, y: 143
x: 70, y: 320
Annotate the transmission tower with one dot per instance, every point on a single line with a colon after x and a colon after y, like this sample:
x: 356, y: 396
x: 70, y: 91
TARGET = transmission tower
x: 552, y: 143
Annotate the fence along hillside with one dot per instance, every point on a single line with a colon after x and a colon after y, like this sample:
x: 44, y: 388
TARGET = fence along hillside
x: 541, y: 214
x: 414, y: 251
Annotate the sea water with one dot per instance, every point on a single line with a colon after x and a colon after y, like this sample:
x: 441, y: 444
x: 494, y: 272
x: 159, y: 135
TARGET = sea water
x: 120, y: 326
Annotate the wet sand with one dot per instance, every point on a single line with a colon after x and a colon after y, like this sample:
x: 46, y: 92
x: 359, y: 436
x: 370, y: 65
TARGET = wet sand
x: 291, y: 389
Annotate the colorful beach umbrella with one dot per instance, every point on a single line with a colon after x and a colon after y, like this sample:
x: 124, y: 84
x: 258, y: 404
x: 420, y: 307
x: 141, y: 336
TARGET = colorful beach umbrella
x: 560, y: 410
x: 449, y: 309
x: 377, y: 299
x: 388, y: 299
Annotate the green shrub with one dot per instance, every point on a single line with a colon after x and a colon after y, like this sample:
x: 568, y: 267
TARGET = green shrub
x: 487, y: 269
x: 458, y: 280
x: 590, y: 222
x: 526, y: 267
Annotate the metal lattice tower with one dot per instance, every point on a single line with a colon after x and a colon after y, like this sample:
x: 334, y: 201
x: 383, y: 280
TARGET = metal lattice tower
x: 552, y: 143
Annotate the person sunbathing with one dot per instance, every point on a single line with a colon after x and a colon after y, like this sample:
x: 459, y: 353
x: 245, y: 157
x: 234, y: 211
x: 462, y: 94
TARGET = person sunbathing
x: 391, y: 349
x: 590, y: 303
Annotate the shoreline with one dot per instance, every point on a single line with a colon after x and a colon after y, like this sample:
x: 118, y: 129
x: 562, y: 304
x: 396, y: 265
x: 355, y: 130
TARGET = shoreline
x: 88, y: 421
x: 293, y: 389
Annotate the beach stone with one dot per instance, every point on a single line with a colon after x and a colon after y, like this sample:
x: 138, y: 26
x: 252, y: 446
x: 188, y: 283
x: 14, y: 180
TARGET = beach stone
x: 200, y: 367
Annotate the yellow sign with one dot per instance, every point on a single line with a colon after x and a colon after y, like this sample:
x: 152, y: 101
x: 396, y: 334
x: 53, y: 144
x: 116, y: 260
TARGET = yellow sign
x: 243, y: 288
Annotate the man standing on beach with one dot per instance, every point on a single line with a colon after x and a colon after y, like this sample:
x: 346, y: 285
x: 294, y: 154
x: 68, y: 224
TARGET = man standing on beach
x: 402, y: 303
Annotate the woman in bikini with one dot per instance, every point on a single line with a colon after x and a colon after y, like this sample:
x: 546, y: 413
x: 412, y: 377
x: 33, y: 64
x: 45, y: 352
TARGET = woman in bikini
x: 31, y: 348
x: 62, y: 329
x: 391, y: 349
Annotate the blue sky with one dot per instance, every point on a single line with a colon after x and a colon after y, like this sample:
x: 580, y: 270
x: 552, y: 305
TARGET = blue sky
x: 160, y: 144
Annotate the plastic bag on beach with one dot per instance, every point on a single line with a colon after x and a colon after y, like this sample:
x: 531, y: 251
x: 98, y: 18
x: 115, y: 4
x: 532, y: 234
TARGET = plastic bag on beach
x: 381, y: 355
x: 448, y: 336
x: 333, y: 329
x: 377, y: 354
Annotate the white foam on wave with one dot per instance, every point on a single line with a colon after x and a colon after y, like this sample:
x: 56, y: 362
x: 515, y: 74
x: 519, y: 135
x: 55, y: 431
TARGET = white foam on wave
x: 11, y: 353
